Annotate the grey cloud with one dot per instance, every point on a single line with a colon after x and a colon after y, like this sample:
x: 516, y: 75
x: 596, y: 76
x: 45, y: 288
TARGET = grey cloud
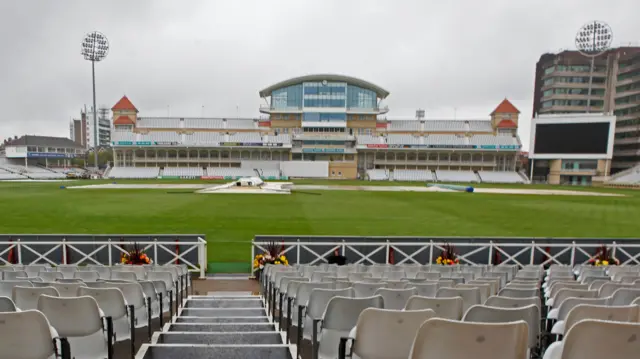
x: 436, y: 55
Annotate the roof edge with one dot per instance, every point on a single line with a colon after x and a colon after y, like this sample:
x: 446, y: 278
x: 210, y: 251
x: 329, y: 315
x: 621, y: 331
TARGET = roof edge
x: 380, y: 92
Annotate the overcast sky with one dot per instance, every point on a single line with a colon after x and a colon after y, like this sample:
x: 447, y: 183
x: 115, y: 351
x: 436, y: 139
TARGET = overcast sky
x: 177, y: 56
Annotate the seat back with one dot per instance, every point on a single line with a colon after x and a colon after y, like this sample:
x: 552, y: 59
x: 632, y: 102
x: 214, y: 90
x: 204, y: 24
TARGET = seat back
x: 425, y: 289
x: 71, y: 317
x: 87, y: 276
x: 389, y: 334
x: 572, y: 302
x: 67, y: 270
x: 164, y: 276
x: 450, y: 308
x: 519, y: 293
x: 485, y: 290
x: 50, y: 276
x: 428, y: 275
x: 6, y: 286
x: 340, y: 317
x: 441, y: 338
x: 319, y: 299
x: 364, y: 290
x: 506, y: 302
x: 396, y: 284
x: 14, y: 275
x: 32, y: 270
x: 395, y: 298
x: 7, y: 305
x: 624, y: 296
x: 103, y: 271
x: 530, y: 314
x: 304, y: 292
x: 587, y: 338
x: 27, y: 297
x: 572, y: 293
x: 470, y: 296
x: 608, y: 289
x: 25, y: 335
x: 67, y: 289
x: 627, y: 313
x: 124, y: 275
x: 110, y: 300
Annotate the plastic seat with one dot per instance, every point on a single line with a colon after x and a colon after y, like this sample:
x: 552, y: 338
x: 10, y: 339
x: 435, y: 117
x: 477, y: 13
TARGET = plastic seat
x: 161, y: 289
x: 50, y: 276
x: 450, y: 308
x: 365, y: 290
x: 530, y: 314
x: 624, y: 296
x: 134, y: 295
x: 14, y: 275
x: 69, y: 280
x: 358, y: 276
x: 441, y: 338
x: 67, y: 289
x: 32, y: 270
x: 627, y: 313
x: 67, y: 270
x: 166, y: 277
x: 26, y: 335
x: 566, y: 306
x: 585, y: 340
x: 339, y: 319
x: 7, y: 305
x: 87, y: 276
x: 394, y: 275
x: 395, y: 298
x: 79, y: 320
x: 569, y: 293
x: 608, y: 289
x: 27, y: 297
x: 111, y: 302
x: 6, y: 286
x: 485, y: 290
x: 428, y: 275
x: 124, y: 275
x: 387, y: 334
x: 519, y: 293
x: 317, y: 304
x: 425, y: 289
x: 506, y: 302
x: 470, y: 296
x: 103, y: 272
x: 396, y: 284
x: 149, y: 291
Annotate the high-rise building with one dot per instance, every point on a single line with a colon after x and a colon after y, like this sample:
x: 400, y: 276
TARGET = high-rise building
x: 562, y: 87
x: 82, y: 130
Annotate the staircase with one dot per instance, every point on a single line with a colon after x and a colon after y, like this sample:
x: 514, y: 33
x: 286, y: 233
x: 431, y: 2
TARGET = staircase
x: 222, y: 326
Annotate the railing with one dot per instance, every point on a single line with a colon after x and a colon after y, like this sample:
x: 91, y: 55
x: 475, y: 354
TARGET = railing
x: 105, y: 250
x: 474, y: 251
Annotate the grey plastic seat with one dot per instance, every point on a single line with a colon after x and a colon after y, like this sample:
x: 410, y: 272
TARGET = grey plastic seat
x: 396, y: 284
x: 530, y: 314
x: 111, y: 302
x: 624, y: 296
x: 426, y: 289
x: 26, y: 335
x: 166, y: 277
x: 585, y: 340
x: 161, y: 289
x: 485, y: 290
x: 365, y: 290
x: 124, y: 275
x: 441, y: 338
x: 32, y: 270
x: 6, y: 286
x: 150, y: 292
x: 14, y: 275
x: 69, y: 280
x: 566, y: 307
x: 506, y: 302
x: 428, y: 275
x: 563, y: 294
x: 79, y: 320
x: 50, y: 276
x: 450, y: 308
x: 317, y: 304
x: 87, y: 276
x: 395, y: 298
x: 470, y: 296
x: 67, y: 289
x: 67, y: 270
x: 27, y: 297
x: 134, y: 295
x: 608, y: 289
x: 388, y: 334
x: 103, y: 271
x: 7, y: 305
x: 339, y: 319
x: 519, y: 293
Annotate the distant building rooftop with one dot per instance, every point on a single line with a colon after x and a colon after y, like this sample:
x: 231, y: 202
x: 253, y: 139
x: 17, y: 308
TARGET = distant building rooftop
x: 44, y: 141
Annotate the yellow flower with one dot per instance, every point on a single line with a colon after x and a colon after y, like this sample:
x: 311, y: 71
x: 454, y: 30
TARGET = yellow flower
x: 282, y: 258
x: 277, y: 262
x: 605, y: 263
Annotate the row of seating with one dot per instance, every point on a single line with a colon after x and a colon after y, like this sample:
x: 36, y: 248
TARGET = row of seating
x: 328, y: 305
x: 440, y: 125
x: 445, y: 176
x: 199, y: 138
x: 86, y: 317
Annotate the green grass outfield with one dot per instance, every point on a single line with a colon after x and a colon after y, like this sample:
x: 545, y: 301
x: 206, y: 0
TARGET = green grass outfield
x: 230, y: 221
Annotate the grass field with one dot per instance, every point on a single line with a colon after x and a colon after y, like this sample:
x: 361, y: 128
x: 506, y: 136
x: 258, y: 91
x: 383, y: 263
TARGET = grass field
x: 231, y: 221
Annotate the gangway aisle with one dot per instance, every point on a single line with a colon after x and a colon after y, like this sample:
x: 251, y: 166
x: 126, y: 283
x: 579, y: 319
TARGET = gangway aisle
x: 219, y: 326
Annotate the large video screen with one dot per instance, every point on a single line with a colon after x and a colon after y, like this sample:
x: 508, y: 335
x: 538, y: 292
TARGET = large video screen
x: 572, y: 138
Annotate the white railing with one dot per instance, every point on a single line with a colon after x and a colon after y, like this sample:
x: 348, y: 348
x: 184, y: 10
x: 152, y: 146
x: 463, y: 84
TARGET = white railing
x: 152, y: 247
x: 468, y: 253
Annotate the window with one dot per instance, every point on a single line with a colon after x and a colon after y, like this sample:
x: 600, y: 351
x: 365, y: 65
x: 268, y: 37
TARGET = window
x: 547, y: 93
x: 548, y: 82
x: 549, y: 70
x: 288, y: 97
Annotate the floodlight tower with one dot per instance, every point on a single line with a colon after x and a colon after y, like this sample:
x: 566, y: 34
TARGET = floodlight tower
x: 593, y: 39
x: 95, y: 47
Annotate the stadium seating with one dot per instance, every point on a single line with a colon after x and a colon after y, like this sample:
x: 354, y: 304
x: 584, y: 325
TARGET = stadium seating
x: 500, y: 177
x: 490, y: 140
x: 268, y: 173
x: 413, y: 175
x: 245, y: 137
x: 203, y: 138
x: 183, y: 171
x: 456, y: 176
x: 446, y: 140
x: 160, y: 136
x: 403, y: 125
x: 404, y: 139
x: 241, y: 124
x: 630, y: 176
x: 444, y: 125
x: 281, y: 138
x: 371, y: 140
x: 157, y: 122
x: 134, y: 172
x: 480, y: 126
x: 378, y: 175
x: 230, y: 172
x: 123, y: 136
x: 206, y: 123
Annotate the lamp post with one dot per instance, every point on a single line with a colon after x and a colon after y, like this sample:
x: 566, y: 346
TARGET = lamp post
x: 95, y: 47
x: 592, y: 40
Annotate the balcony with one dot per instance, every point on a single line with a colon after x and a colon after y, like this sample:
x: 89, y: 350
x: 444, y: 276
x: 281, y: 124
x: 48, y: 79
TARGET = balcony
x: 626, y: 153
x: 635, y: 66
x: 375, y: 110
x: 310, y: 136
x: 269, y: 109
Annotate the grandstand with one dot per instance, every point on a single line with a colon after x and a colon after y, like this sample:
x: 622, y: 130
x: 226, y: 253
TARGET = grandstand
x: 332, y: 119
